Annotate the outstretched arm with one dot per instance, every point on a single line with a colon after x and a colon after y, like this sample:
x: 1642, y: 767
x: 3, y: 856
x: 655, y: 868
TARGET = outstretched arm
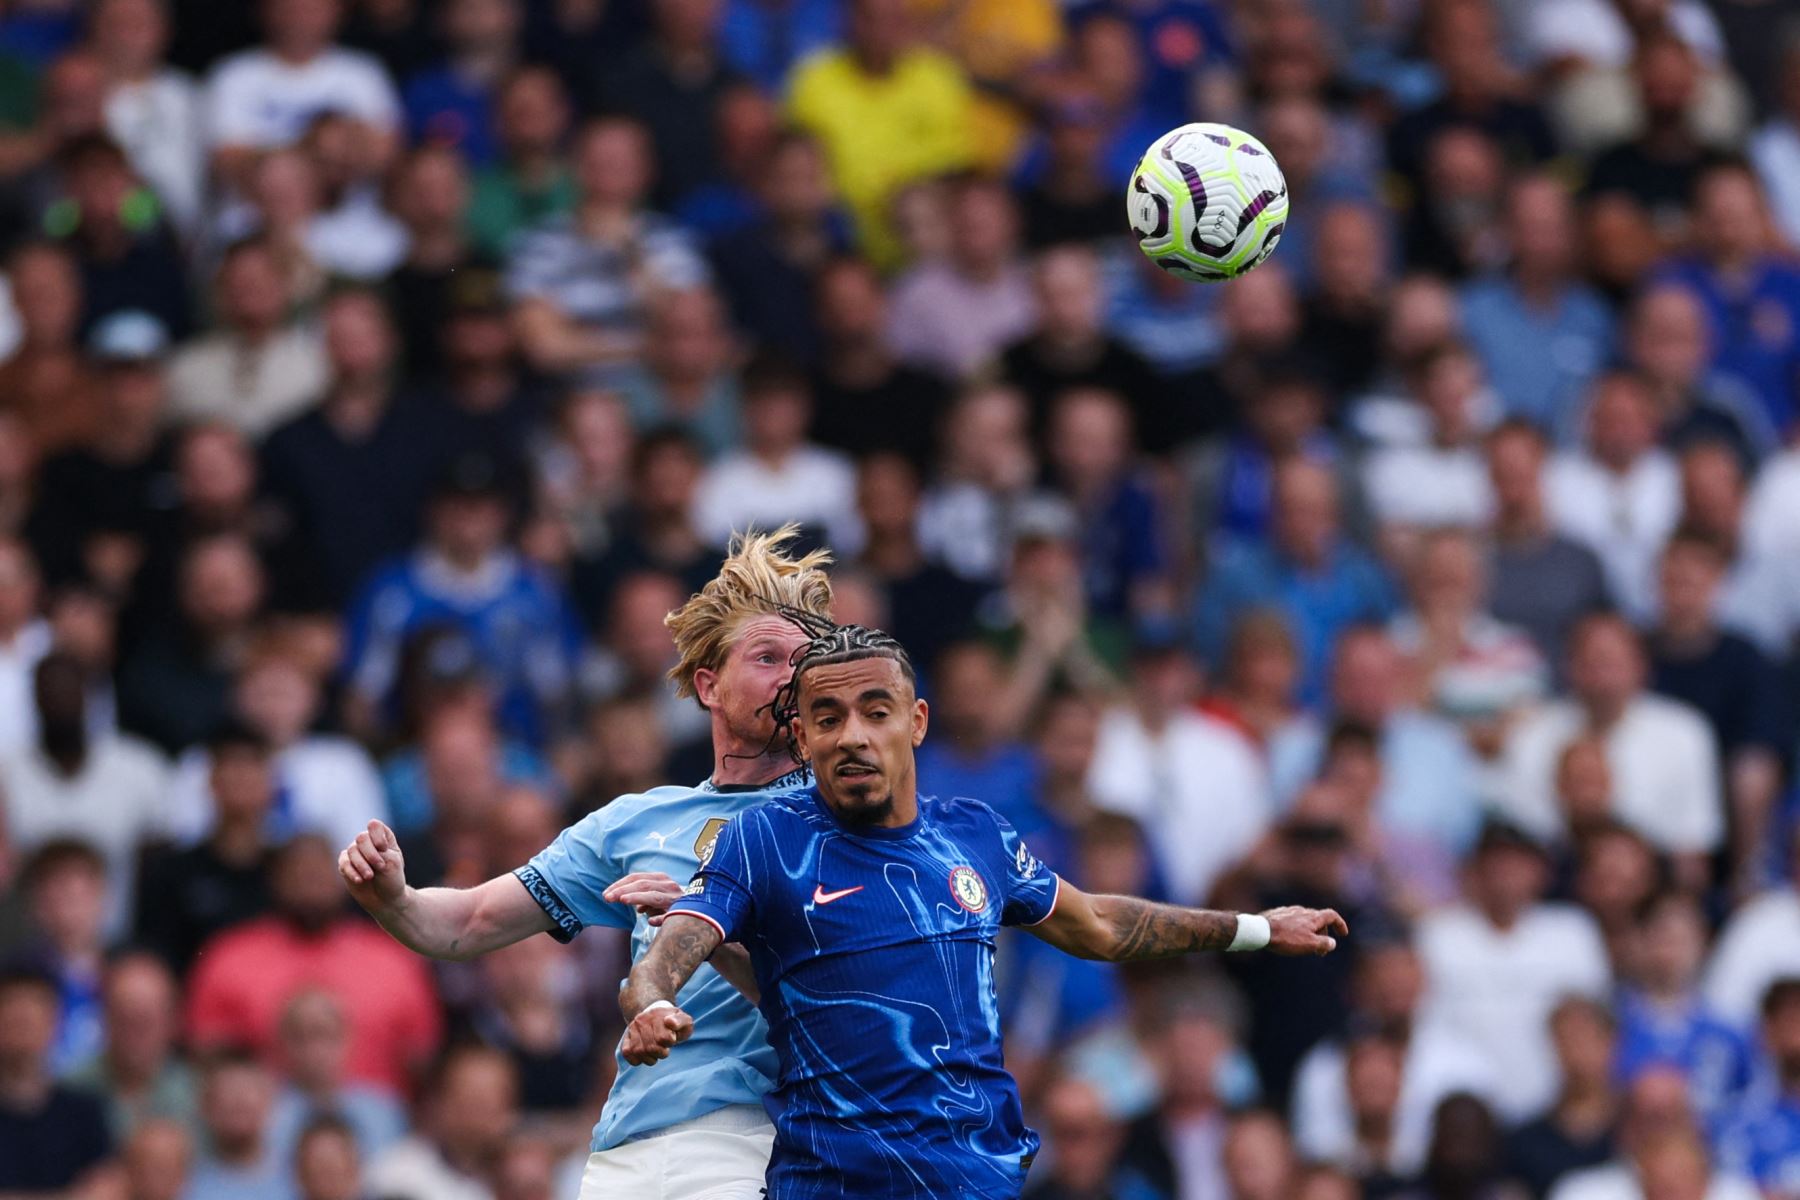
x: 1126, y: 929
x: 453, y: 923
x: 654, y: 1025
x: 651, y: 893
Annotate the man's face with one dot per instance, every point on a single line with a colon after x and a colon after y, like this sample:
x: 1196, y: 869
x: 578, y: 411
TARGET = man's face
x: 27, y: 1025
x: 859, y: 724
x: 1606, y: 667
x: 477, y: 1105
x: 742, y: 690
x: 468, y: 528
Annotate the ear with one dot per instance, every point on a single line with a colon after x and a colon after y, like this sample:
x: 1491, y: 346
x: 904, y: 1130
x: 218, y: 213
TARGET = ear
x: 706, y: 686
x: 921, y: 719
x: 798, y: 732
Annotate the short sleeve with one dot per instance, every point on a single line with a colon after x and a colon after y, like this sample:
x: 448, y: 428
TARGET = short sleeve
x: 1031, y: 887
x: 720, y: 893
x: 567, y: 877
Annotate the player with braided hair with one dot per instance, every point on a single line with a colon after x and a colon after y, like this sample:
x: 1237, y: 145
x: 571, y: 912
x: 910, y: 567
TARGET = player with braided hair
x: 697, y: 1130
x: 870, y: 914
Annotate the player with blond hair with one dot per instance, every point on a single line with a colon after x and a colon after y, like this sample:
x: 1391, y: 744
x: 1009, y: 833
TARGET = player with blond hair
x: 698, y: 1132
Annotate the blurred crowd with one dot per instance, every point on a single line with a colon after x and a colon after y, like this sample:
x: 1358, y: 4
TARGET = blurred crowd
x: 375, y: 374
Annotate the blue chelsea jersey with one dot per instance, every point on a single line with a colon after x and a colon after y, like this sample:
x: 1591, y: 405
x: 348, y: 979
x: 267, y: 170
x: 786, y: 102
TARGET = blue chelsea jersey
x: 672, y: 830
x: 874, y: 951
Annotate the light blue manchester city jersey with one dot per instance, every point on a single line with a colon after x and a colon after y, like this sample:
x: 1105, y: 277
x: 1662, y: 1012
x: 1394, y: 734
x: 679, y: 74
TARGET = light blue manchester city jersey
x: 672, y: 830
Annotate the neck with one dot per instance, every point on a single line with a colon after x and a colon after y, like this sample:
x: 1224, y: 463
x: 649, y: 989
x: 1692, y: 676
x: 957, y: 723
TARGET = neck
x: 128, y: 1075
x: 1604, y: 714
x: 892, y: 554
x: 740, y: 762
x: 24, y: 1086
x: 437, y: 247
x: 239, y: 843
x: 1519, y: 525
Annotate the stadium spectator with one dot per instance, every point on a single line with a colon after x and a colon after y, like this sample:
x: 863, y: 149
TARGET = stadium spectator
x: 1663, y: 757
x: 1070, y: 199
x: 531, y: 1011
x: 327, y: 1164
x: 778, y: 475
x: 929, y: 605
x: 126, y: 253
x: 748, y: 126
x: 956, y: 316
x: 1620, y: 495
x: 1497, y: 964
x: 1729, y: 681
x: 237, y: 1159
x: 1352, y: 278
x: 441, y: 273
x: 1775, y: 149
x: 247, y: 974
x: 1661, y: 1152
x: 138, y: 1070
x: 1168, y: 767
x: 770, y: 269
x: 469, y: 1108
x: 1439, y: 480
x: 1542, y: 580
x: 1089, y: 459
x: 451, y: 104
x: 103, y: 788
x: 25, y: 638
x: 156, y: 1161
x: 688, y: 375
x: 1180, y: 1141
x: 67, y: 897
x: 266, y: 97
x: 1454, y: 228
x: 44, y: 378
x: 175, y: 685
x: 865, y: 398
x: 529, y: 182
x: 1387, y: 989
x: 152, y: 108
x: 258, y: 368
x: 53, y: 1138
x: 1087, y: 1141
x: 582, y: 281
x: 637, y: 654
x: 315, y: 1083
x: 1751, y: 294
x: 1668, y: 342
x: 1756, y: 596
x: 983, y: 753
x: 1540, y: 332
x: 1759, y: 945
x: 888, y: 110
x: 1577, y: 1130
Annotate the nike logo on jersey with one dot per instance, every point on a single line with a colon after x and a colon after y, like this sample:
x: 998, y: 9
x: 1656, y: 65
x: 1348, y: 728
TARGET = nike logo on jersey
x: 821, y: 896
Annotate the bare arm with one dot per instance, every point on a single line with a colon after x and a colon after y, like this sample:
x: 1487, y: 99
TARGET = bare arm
x: 651, y: 893
x: 651, y: 1032
x: 554, y: 343
x: 453, y: 923
x: 1127, y: 929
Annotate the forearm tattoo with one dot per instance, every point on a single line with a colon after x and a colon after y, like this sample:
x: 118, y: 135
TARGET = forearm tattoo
x: 1142, y: 929
x: 670, y: 962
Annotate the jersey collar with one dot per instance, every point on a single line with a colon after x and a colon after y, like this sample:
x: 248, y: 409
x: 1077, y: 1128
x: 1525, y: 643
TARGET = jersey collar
x: 799, y: 777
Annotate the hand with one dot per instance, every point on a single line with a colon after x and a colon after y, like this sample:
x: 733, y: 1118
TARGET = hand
x: 650, y: 892
x: 373, y: 867
x: 1294, y: 930
x: 653, y: 1033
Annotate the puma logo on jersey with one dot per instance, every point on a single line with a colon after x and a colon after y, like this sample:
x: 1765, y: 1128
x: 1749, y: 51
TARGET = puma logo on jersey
x: 821, y: 896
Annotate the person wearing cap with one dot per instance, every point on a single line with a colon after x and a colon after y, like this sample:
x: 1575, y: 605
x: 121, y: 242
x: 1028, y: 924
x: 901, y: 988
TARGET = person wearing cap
x: 96, y: 498
x: 464, y: 575
x: 1498, y: 963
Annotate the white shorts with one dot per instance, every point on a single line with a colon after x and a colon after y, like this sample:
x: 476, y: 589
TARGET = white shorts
x: 719, y: 1156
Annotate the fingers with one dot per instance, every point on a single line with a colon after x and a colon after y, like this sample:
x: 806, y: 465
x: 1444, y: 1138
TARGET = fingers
x: 651, y: 1035
x: 380, y: 836
x: 637, y: 879
x: 357, y: 861
x: 1336, y: 924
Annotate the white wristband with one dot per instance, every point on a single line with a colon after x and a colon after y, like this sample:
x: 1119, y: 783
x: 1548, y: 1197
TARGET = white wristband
x: 1252, y: 933
x: 656, y: 1004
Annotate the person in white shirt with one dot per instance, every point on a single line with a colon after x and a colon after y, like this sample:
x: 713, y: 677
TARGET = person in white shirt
x: 1498, y: 963
x: 1387, y: 991
x: 1772, y: 511
x: 267, y: 97
x: 152, y: 110
x: 1175, y: 770
x: 778, y: 476
x: 1775, y: 150
x: 1663, y: 1155
x: 257, y: 369
x: 1621, y: 496
x: 325, y: 784
x: 1759, y: 944
x: 1760, y: 594
x: 1442, y: 480
x: 107, y: 790
x: 24, y: 640
x: 1663, y: 755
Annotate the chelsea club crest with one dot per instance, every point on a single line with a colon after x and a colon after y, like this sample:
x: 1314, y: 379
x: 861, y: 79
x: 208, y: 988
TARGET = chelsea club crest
x: 968, y: 889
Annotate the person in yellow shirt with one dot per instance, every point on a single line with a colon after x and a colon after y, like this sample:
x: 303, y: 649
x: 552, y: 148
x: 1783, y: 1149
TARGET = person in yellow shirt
x: 1007, y: 47
x: 888, y: 111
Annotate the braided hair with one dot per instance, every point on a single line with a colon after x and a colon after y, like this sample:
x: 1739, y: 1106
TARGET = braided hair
x: 831, y: 644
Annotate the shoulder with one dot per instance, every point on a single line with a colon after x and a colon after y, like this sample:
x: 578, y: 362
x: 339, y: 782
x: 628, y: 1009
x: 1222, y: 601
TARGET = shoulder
x: 354, y: 66
x: 962, y: 813
x: 1663, y: 716
x: 240, y: 69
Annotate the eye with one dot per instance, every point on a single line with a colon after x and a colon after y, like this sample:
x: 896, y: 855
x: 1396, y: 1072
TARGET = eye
x: 878, y: 714
x: 827, y: 722
x: 766, y: 659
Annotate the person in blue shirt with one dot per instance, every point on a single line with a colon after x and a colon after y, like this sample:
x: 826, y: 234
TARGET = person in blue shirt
x: 696, y: 1127
x: 1762, y: 1138
x: 1751, y: 295
x: 869, y: 914
x: 1661, y: 1015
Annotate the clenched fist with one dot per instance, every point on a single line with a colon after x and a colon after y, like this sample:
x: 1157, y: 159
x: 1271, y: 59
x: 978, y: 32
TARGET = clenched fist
x: 373, y: 867
x: 653, y: 1033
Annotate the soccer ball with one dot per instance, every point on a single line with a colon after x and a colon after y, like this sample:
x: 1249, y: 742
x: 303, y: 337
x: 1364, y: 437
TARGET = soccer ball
x: 1207, y: 202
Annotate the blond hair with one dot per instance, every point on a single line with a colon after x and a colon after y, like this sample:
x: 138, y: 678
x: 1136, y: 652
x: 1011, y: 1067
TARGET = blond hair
x: 757, y: 578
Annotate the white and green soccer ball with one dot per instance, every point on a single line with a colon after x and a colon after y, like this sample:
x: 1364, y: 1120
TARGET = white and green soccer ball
x: 1207, y: 202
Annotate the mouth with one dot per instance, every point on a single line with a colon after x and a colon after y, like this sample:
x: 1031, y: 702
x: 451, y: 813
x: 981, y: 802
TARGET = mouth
x: 855, y: 770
